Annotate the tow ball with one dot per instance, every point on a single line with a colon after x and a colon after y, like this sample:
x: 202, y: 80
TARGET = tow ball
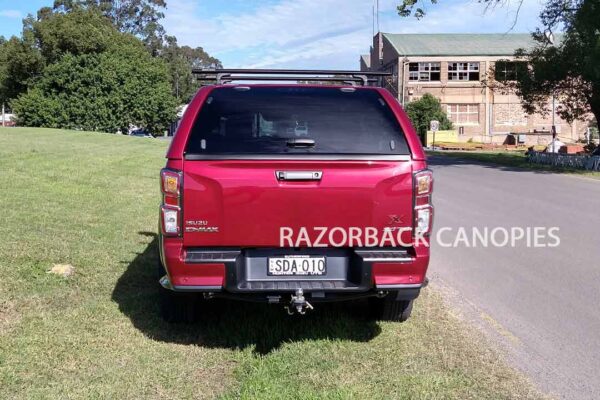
x: 298, y: 304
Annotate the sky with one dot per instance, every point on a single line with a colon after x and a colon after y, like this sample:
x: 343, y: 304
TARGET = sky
x: 329, y: 34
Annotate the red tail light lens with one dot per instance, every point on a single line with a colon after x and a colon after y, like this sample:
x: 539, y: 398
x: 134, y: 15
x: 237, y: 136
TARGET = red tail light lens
x: 422, y: 201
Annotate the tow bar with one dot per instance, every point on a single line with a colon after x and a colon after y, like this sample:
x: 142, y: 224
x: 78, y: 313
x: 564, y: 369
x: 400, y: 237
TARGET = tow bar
x: 298, y: 304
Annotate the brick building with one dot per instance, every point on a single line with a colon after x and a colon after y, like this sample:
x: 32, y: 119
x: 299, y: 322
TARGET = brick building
x: 455, y: 68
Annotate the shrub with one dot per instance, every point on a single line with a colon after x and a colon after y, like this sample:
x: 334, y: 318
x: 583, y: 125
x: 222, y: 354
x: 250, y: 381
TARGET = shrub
x: 428, y: 108
x: 100, y: 92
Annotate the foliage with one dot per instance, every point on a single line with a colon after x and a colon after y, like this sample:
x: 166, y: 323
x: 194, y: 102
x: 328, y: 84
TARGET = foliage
x: 418, y: 8
x: 95, y: 85
x: 590, y: 147
x: 46, y: 40
x: 571, y: 69
x: 142, y: 19
x: 428, y: 108
x: 98, y: 65
x: 413, y: 7
x: 86, y: 27
x: 78, y: 32
x: 568, y: 70
x: 181, y: 60
x: 138, y: 17
x: 20, y: 63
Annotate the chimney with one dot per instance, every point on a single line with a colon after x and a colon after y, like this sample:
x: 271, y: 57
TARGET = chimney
x: 377, y: 52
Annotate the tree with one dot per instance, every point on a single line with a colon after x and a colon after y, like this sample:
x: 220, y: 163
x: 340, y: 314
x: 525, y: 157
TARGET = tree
x: 20, y: 63
x: 77, y: 32
x: 100, y: 92
x: 417, y: 8
x: 43, y: 76
x: 413, y: 7
x: 568, y: 70
x: 105, y: 82
x: 45, y: 40
x: 181, y: 60
x: 138, y: 17
x: 428, y: 108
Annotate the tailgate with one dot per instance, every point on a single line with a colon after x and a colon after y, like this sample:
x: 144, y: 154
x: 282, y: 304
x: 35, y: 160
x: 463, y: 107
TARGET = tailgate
x: 242, y: 203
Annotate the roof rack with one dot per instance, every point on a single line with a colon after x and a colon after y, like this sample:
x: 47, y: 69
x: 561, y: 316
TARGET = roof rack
x: 222, y: 76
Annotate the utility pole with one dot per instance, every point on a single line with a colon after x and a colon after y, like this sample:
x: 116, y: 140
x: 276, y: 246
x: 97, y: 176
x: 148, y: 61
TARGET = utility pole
x: 553, y: 125
x: 378, y: 16
x: 373, y: 24
x: 3, y: 116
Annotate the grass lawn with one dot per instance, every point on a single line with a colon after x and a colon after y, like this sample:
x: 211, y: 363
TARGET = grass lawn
x: 90, y: 200
x: 512, y: 159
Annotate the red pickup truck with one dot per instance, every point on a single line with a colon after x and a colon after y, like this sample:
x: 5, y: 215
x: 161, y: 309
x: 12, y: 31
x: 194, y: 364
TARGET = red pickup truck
x: 294, y: 194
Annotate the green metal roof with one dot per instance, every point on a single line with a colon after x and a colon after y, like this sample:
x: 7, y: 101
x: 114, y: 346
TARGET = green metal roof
x: 458, y: 44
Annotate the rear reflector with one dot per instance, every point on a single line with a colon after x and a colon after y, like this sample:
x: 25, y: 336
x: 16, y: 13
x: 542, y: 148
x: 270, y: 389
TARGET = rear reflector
x: 198, y: 275
x: 171, y: 200
x: 398, y: 273
x: 422, y: 201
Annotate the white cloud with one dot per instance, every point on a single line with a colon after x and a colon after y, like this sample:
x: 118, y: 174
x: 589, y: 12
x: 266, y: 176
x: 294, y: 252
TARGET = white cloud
x: 10, y: 13
x: 289, y: 21
x: 322, y: 33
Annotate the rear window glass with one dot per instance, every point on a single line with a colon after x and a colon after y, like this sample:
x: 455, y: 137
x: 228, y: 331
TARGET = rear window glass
x: 295, y: 120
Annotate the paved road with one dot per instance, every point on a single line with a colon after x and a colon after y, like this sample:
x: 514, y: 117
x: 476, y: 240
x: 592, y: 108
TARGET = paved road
x: 542, y: 305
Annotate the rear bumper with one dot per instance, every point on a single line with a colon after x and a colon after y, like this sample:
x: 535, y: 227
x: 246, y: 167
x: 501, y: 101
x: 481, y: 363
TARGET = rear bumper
x: 236, y: 272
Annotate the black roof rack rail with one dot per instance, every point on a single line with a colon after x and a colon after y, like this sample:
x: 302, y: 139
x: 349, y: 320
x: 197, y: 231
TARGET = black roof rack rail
x: 222, y: 76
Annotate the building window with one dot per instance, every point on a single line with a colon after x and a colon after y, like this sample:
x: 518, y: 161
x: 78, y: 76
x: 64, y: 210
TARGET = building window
x: 424, y: 71
x: 463, y: 71
x: 463, y: 114
x: 509, y: 70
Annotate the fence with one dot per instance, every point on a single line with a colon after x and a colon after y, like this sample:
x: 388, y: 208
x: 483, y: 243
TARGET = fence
x: 565, y: 160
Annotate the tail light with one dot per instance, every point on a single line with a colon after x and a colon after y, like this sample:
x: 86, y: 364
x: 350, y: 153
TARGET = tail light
x: 423, y: 214
x: 170, y: 209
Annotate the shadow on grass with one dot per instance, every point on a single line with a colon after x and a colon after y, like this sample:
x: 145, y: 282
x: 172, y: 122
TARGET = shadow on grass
x: 233, y: 324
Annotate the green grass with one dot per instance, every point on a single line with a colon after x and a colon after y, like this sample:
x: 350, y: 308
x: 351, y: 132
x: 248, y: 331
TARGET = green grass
x: 512, y: 159
x: 90, y: 200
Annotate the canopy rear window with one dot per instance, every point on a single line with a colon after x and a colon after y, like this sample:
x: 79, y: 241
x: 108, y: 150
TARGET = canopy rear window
x: 273, y: 120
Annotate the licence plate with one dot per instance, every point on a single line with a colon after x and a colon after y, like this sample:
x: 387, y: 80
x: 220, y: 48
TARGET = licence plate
x: 297, y: 266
